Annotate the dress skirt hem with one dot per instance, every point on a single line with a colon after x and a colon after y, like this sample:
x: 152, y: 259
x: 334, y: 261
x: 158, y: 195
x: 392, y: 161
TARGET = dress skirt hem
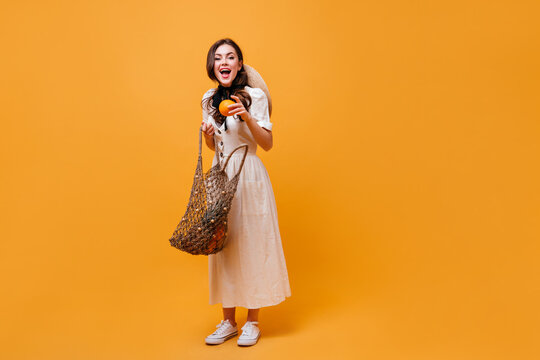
x: 251, y: 306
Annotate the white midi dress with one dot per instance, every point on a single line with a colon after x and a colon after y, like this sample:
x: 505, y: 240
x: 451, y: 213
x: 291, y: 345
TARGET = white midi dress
x: 250, y: 271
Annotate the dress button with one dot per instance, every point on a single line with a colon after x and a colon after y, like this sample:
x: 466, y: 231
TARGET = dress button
x: 219, y: 131
x: 221, y: 143
x: 221, y: 154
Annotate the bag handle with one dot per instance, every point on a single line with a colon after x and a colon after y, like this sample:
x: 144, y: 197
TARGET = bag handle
x: 228, y: 157
x: 243, y: 158
x: 200, y: 141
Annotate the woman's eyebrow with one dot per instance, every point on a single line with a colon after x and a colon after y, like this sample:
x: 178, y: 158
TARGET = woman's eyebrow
x: 225, y: 54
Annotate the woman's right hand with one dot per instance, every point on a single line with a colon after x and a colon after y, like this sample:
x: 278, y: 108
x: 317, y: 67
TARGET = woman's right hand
x: 207, y: 129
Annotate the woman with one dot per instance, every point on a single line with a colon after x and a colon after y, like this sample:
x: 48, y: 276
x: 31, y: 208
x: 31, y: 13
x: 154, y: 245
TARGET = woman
x: 250, y: 271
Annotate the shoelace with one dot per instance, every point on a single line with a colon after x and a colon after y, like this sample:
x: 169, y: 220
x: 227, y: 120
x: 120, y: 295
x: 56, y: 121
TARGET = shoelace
x: 248, y: 328
x: 222, y: 327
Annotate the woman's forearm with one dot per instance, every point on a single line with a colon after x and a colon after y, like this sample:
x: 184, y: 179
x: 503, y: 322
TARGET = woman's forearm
x: 209, y: 140
x: 263, y: 137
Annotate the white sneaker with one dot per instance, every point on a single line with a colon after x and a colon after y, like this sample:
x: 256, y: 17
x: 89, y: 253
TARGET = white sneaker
x: 250, y: 334
x: 224, y: 332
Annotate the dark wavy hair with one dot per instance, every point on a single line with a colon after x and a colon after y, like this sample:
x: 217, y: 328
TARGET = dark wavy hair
x: 240, y: 80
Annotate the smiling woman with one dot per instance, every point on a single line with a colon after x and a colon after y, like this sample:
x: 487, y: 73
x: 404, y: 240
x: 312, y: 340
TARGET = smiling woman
x: 250, y: 271
x: 230, y: 66
x: 224, y: 64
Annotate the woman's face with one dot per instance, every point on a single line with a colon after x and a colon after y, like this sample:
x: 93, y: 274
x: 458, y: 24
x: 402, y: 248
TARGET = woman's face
x: 226, y: 64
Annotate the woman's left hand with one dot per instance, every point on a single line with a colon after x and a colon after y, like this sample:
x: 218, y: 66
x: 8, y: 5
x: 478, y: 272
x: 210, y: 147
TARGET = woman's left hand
x: 239, y: 109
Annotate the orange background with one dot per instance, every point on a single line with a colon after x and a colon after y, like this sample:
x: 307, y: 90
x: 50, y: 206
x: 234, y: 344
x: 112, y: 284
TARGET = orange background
x: 405, y: 167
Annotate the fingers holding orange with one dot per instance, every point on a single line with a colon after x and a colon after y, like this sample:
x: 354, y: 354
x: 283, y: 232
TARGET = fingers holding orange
x: 224, y: 107
x: 238, y: 108
x: 231, y: 108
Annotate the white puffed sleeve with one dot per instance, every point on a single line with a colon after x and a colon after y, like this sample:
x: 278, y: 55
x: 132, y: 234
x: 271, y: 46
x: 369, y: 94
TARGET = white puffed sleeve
x: 204, y: 111
x: 259, y: 108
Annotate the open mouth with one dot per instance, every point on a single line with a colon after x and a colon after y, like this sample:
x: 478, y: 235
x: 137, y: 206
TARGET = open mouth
x: 225, y: 73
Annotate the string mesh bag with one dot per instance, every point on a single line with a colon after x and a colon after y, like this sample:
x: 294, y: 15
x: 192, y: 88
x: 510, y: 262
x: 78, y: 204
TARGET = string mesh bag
x: 203, y: 228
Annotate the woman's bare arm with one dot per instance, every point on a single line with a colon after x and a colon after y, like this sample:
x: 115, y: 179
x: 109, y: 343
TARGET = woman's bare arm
x: 263, y: 137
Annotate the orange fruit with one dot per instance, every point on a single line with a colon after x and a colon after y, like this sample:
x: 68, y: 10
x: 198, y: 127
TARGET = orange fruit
x: 223, y: 109
x: 220, y: 232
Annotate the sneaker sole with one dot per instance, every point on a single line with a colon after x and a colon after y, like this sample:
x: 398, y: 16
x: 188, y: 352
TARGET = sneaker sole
x: 249, y: 342
x: 220, y: 341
